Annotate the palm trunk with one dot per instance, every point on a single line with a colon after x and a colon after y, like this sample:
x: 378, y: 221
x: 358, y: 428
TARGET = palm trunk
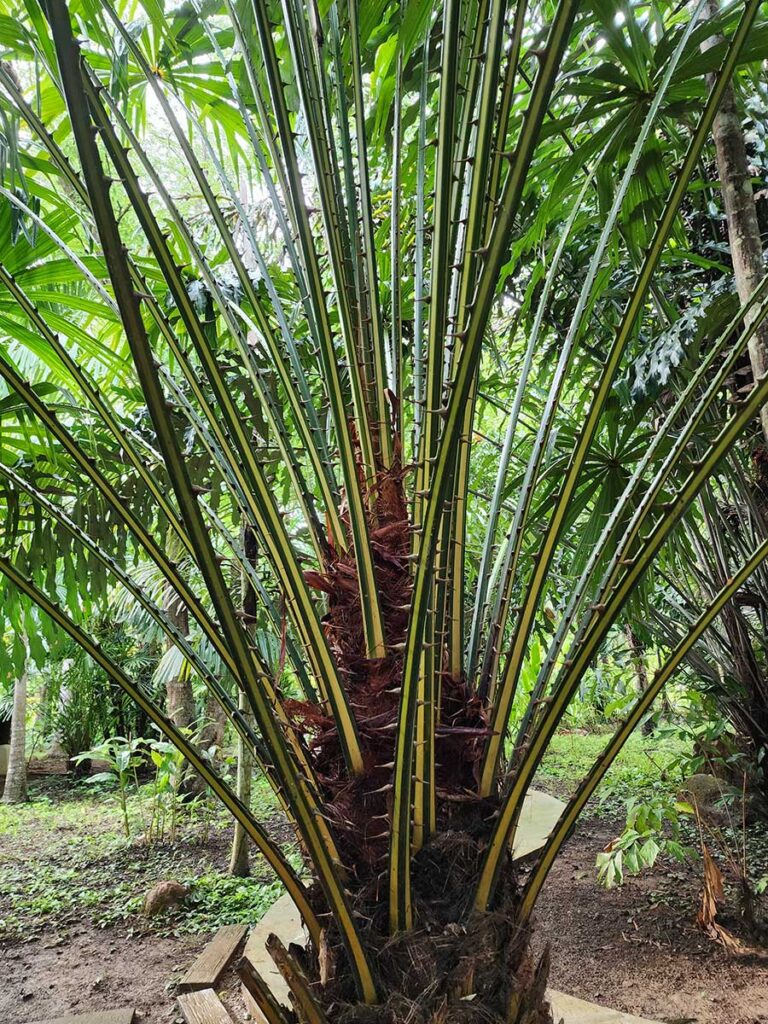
x: 741, y: 216
x: 15, y: 791
x: 456, y: 964
x: 212, y: 733
x: 179, y: 698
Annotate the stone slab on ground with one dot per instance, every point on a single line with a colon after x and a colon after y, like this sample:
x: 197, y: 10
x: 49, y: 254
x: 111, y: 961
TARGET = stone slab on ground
x: 577, y: 1011
x: 203, y: 1006
x: 96, y: 1017
x: 212, y: 962
x: 538, y: 817
x: 283, y: 919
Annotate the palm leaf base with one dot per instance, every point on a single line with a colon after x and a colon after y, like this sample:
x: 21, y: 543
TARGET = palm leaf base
x: 453, y: 967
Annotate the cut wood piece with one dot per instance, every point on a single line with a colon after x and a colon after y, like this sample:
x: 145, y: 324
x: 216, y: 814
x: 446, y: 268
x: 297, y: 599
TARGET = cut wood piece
x: 538, y: 817
x: 95, y: 1017
x: 284, y: 920
x: 203, y: 1006
x: 210, y: 965
x: 301, y: 991
x: 266, y: 1009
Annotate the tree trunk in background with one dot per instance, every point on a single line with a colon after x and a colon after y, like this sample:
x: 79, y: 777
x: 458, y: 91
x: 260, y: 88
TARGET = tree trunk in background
x: 15, y: 791
x: 179, y: 698
x: 180, y: 701
x: 238, y: 863
x: 741, y: 216
x: 748, y: 269
x: 212, y: 732
x: 637, y: 657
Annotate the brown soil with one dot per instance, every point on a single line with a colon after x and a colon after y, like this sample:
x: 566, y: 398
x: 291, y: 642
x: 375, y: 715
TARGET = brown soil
x: 635, y: 949
x: 94, y: 970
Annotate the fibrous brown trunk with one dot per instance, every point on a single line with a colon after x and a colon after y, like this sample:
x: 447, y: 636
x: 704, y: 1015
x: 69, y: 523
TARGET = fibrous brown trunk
x: 741, y: 216
x: 15, y: 791
x: 455, y: 965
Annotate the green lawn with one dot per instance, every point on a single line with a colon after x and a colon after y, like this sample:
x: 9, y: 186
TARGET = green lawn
x: 645, y: 764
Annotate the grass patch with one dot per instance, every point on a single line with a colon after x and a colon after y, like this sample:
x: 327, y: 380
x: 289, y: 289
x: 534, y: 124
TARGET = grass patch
x: 64, y: 858
x: 642, y: 766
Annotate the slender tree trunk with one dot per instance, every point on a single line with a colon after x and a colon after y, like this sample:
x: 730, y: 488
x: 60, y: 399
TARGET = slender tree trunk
x: 741, y: 215
x: 15, y: 791
x: 238, y: 864
x: 179, y: 698
x: 637, y: 657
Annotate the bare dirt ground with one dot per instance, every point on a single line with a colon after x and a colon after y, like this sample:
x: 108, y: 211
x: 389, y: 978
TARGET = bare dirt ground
x: 635, y: 948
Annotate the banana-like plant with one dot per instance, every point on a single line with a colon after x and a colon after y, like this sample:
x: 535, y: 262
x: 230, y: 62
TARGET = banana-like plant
x: 285, y: 236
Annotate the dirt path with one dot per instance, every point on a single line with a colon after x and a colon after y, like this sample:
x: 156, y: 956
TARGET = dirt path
x: 95, y: 969
x: 637, y: 949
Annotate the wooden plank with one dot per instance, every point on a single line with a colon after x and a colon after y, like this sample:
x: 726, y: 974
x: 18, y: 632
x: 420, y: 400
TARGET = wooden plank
x: 258, y: 997
x: 210, y: 965
x: 95, y: 1017
x: 203, y: 1006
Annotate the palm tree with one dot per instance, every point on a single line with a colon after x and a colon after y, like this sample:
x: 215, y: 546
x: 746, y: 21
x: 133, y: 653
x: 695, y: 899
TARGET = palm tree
x: 327, y: 389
